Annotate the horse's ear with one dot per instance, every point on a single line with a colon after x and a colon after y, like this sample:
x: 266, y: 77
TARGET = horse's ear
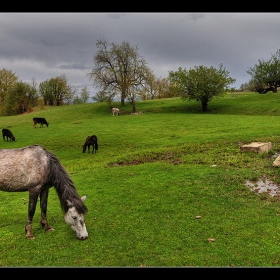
x: 83, y: 198
x: 69, y: 203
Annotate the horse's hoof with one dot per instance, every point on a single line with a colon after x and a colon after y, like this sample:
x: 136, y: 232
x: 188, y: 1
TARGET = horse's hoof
x: 47, y: 227
x: 30, y: 236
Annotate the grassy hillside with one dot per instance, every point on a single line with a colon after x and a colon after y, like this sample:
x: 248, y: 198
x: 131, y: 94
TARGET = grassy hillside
x: 153, y: 174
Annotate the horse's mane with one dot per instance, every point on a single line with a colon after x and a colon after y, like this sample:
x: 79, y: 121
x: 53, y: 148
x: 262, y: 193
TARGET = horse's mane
x: 64, y: 185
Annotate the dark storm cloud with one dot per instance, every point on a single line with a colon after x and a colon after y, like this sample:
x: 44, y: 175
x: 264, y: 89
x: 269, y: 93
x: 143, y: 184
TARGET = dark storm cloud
x: 46, y: 45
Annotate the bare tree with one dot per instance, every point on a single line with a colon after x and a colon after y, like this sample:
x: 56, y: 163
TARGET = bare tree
x: 119, y: 71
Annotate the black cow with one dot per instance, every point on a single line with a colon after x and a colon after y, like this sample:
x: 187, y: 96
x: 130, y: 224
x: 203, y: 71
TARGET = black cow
x: 91, y: 141
x: 41, y: 121
x: 8, y: 134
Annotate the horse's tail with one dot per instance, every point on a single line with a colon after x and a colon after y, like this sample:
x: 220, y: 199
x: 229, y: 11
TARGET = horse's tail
x: 64, y: 186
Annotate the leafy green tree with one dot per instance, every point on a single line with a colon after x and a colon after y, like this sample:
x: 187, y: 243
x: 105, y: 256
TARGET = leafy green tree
x: 257, y: 86
x: 20, y: 98
x: 8, y: 79
x: 56, y: 91
x: 119, y: 71
x: 77, y: 100
x: 201, y: 83
x: 46, y: 93
x: 244, y: 87
x: 84, y: 94
x: 266, y: 74
x: 260, y: 75
x: 83, y: 97
x: 69, y: 94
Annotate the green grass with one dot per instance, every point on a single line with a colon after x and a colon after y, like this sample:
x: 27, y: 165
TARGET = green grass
x: 152, y: 175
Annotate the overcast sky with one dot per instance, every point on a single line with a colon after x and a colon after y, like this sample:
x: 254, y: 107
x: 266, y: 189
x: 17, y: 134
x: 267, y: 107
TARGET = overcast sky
x: 47, y: 45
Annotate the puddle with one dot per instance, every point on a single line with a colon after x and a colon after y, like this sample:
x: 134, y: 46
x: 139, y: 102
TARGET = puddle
x: 264, y: 186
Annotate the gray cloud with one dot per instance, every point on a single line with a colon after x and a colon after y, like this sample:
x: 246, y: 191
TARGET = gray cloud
x: 46, y: 45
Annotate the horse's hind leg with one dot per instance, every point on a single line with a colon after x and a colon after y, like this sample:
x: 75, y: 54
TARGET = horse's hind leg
x: 33, y: 197
x: 43, y: 204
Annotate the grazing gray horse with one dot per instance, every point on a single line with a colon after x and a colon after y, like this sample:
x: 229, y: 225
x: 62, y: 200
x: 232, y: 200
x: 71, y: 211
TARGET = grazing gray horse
x: 36, y: 170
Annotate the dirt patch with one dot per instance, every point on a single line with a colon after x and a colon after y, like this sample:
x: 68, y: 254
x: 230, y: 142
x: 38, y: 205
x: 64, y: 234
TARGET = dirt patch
x: 173, y: 158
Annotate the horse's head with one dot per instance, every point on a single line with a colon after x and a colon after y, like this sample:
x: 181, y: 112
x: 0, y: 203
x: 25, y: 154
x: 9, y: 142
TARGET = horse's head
x: 76, y: 220
x: 84, y: 148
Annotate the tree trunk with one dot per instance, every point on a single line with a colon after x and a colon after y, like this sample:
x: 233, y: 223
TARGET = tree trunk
x: 122, y: 98
x: 133, y: 107
x: 204, y: 106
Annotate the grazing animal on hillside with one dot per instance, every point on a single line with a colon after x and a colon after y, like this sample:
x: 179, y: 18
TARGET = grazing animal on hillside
x: 91, y: 141
x: 8, y: 134
x: 115, y: 111
x: 41, y: 121
x: 36, y: 170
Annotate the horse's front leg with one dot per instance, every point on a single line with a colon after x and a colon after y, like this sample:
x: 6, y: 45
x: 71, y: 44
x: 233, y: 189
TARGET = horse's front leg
x: 43, y: 205
x: 33, y: 197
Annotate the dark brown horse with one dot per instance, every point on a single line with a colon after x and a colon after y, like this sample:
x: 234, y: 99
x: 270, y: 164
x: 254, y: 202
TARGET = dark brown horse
x: 6, y: 133
x: 91, y: 141
x: 41, y: 121
x: 36, y: 170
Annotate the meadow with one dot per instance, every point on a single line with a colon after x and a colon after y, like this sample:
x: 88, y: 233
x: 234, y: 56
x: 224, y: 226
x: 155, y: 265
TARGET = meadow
x: 166, y: 187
